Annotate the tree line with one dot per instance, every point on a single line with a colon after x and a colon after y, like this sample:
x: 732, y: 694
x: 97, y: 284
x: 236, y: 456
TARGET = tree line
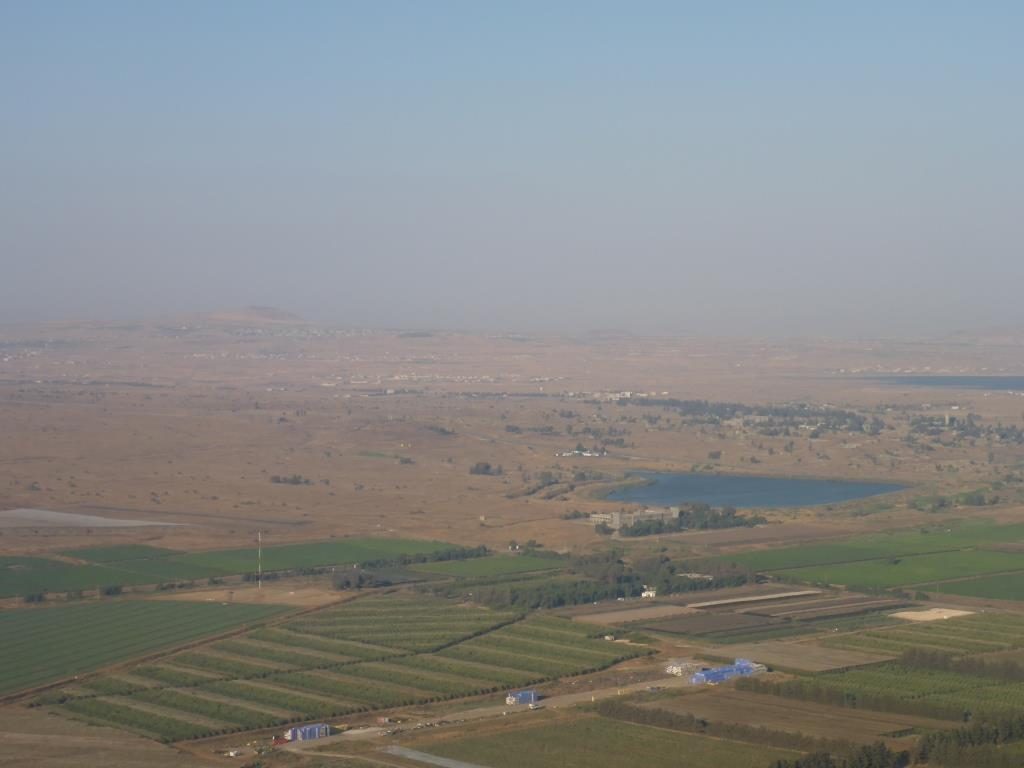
x: 697, y: 516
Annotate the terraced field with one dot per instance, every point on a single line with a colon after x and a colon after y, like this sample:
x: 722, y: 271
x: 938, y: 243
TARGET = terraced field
x: 373, y: 653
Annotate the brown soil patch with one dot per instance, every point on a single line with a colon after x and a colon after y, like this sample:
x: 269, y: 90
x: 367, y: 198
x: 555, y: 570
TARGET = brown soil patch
x: 725, y: 705
x: 931, y: 614
x: 299, y: 597
x: 32, y: 738
x: 634, y: 614
x: 802, y: 656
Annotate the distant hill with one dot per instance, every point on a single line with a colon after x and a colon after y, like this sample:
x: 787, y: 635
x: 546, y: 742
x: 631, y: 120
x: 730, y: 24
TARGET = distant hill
x: 999, y: 336
x: 254, y: 315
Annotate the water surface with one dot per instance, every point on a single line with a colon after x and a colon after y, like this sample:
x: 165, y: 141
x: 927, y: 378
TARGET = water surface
x: 990, y: 383
x: 745, y: 491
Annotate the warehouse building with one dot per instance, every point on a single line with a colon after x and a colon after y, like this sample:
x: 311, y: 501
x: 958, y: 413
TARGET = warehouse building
x: 521, y: 697
x: 740, y: 668
x: 308, y: 732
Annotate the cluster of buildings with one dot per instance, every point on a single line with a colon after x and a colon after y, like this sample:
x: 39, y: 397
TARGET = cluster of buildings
x: 712, y: 675
x: 624, y: 518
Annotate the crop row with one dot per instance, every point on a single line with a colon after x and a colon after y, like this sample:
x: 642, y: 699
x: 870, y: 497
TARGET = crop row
x: 132, y: 719
x: 568, y: 657
x: 432, y: 663
x: 278, y: 696
x: 323, y: 642
x: 110, y: 685
x: 48, y: 643
x: 223, y: 665
x: 538, y: 668
x: 173, y: 676
x: 191, y: 703
x: 282, y: 654
x: 434, y: 682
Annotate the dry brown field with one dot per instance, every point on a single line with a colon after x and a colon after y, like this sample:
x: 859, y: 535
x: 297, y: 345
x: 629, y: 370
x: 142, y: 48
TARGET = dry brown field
x: 726, y: 705
x: 32, y: 738
x: 641, y: 613
x: 801, y: 656
x: 272, y: 594
x: 186, y: 421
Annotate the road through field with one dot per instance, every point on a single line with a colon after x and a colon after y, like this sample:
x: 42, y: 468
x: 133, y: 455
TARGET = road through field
x: 423, y: 757
x: 497, y: 710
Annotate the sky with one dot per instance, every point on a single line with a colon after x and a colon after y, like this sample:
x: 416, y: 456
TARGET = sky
x: 718, y: 167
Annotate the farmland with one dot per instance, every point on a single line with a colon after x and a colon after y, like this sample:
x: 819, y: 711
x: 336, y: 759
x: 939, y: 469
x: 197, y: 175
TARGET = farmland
x: 389, y: 429
x: 978, y: 633
x: 810, y: 718
x: 928, y: 539
x: 921, y: 687
x: 339, y: 660
x: 118, y: 553
x: 896, y: 688
x: 47, y: 644
x: 595, y: 742
x: 311, y: 555
x: 131, y: 565
x: 1007, y: 586
x: 909, y: 570
x: 491, y: 566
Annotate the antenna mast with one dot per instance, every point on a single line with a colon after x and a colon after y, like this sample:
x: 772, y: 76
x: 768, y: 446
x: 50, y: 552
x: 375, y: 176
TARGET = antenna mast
x: 259, y: 561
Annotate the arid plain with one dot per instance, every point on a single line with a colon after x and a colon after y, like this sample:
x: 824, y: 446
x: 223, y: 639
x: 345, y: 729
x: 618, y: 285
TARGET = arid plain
x: 209, y: 432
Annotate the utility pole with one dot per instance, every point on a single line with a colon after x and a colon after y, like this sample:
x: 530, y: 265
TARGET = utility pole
x: 259, y: 561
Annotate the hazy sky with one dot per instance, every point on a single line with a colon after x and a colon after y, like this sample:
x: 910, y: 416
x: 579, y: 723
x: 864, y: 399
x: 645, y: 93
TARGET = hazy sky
x: 727, y: 167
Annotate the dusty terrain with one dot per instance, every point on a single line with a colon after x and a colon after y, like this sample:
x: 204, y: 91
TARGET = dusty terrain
x: 32, y: 738
x: 188, y: 421
x: 213, y: 428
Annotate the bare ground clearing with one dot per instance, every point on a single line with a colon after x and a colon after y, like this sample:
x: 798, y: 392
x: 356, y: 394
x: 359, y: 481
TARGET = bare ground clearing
x: 32, y: 738
x: 299, y: 597
x: 931, y: 614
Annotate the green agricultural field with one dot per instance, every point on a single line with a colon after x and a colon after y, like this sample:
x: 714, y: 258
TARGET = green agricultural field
x: 956, y: 692
x: 881, y: 545
x: 314, y: 554
x: 542, y: 649
x: 131, y: 565
x: 35, y: 575
x: 44, y: 644
x: 903, y: 571
x: 118, y: 553
x: 498, y: 565
x: 978, y: 633
x: 594, y: 742
x: 426, y: 623
x: 341, y: 659
x: 1008, y: 586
